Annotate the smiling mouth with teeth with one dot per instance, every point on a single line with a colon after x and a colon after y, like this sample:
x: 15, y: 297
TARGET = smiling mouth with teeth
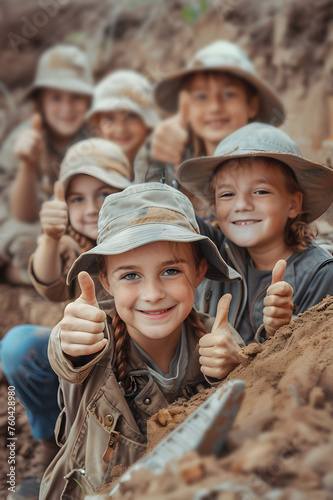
x: 157, y: 312
x: 245, y: 222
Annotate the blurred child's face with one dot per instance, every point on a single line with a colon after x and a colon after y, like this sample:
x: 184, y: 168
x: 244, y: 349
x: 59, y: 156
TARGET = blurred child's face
x: 153, y: 287
x: 253, y: 205
x: 125, y: 129
x: 64, y: 112
x: 85, y: 196
x: 219, y: 105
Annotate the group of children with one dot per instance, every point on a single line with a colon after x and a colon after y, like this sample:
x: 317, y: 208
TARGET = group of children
x: 176, y: 241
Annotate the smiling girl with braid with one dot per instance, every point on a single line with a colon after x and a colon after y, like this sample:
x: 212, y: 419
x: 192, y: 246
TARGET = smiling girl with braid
x: 119, y: 367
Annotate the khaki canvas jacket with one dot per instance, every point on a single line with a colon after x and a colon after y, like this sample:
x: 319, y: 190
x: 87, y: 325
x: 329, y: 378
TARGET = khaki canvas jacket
x: 99, y: 428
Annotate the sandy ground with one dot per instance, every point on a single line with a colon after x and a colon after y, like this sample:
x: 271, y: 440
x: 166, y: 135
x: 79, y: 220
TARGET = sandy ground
x: 281, y: 444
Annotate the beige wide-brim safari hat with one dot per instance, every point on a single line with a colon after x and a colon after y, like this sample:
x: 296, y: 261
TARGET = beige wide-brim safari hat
x: 125, y: 90
x: 98, y: 158
x: 145, y: 213
x: 260, y: 139
x: 63, y: 67
x: 227, y: 57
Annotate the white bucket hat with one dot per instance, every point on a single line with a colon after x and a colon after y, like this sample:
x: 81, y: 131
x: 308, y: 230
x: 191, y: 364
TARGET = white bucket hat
x: 227, y: 57
x: 260, y: 139
x: 145, y: 213
x: 99, y: 158
x: 128, y: 90
x: 63, y: 67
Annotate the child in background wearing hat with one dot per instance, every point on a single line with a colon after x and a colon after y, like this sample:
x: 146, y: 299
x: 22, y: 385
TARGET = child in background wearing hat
x: 91, y: 170
x: 217, y: 92
x: 116, y: 373
x: 265, y: 195
x: 31, y: 156
x: 123, y: 111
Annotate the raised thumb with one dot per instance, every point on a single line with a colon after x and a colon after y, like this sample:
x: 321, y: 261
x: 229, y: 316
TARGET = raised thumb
x: 184, y: 108
x: 221, y: 320
x: 87, y: 289
x: 59, y: 192
x: 278, y: 271
x: 37, y: 122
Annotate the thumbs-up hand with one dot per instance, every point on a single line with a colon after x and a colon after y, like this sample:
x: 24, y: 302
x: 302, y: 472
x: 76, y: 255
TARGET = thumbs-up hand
x: 218, y: 350
x: 82, y: 327
x: 54, y: 214
x: 278, y: 303
x: 171, y: 135
x: 30, y: 145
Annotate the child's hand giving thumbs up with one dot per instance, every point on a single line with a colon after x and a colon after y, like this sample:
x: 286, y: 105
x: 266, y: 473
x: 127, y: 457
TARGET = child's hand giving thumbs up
x: 278, y: 302
x: 218, y: 350
x: 54, y: 214
x: 30, y: 145
x: 83, y: 323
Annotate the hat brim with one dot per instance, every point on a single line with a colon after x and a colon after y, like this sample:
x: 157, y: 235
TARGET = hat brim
x: 148, y: 116
x: 113, y: 179
x: 271, y: 107
x: 315, y: 179
x: 75, y: 86
x: 143, y: 234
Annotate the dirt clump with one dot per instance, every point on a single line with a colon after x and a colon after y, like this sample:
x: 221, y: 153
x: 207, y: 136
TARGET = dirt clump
x: 282, y: 441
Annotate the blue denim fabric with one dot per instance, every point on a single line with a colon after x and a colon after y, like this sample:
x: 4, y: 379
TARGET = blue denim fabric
x: 24, y: 361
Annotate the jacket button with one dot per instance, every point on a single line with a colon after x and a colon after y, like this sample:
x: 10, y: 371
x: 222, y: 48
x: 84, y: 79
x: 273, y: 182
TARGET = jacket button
x: 147, y: 401
x: 108, y: 420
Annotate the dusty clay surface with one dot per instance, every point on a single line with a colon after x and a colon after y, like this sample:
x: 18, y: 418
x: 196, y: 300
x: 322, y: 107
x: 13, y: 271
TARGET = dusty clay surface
x: 282, y: 438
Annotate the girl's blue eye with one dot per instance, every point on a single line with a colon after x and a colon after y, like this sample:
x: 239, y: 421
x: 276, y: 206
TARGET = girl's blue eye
x: 226, y: 195
x: 261, y: 191
x: 130, y: 276
x: 77, y: 199
x: 104, y: 194
x: 171, y: 272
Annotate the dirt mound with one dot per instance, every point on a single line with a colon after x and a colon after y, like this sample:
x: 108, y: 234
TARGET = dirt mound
x: 283, y: 434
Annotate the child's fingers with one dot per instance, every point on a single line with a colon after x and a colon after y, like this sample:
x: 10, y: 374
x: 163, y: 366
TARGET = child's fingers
x: 277, y: 312
x: 278, y: 271
x: 184, y: 108
x: 87, y: 289
x: 278, y: 301
x: 75, y: 350
x: 88, y: 313
x: 221, y: 320
x: 281, y: 288
x: 59, y: 192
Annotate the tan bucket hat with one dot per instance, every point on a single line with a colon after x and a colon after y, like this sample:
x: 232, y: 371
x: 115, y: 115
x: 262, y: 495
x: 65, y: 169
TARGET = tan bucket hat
x: 260, y: 139
x: 63, y: 67
x: 99, y: 158
x: 145, y: 213
x: 222, y: 55
x: 128, y: 90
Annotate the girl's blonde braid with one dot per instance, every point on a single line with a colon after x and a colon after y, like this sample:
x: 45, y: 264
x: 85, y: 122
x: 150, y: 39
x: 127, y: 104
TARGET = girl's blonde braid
x: 121, y: 346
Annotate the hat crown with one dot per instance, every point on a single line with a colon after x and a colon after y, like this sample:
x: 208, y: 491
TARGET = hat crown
x: 221, y: 53
x: 95, y: 157
x: 125, y: 84
x: 256, y: 138
x: 63, y: 61
x: 145, y: 204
